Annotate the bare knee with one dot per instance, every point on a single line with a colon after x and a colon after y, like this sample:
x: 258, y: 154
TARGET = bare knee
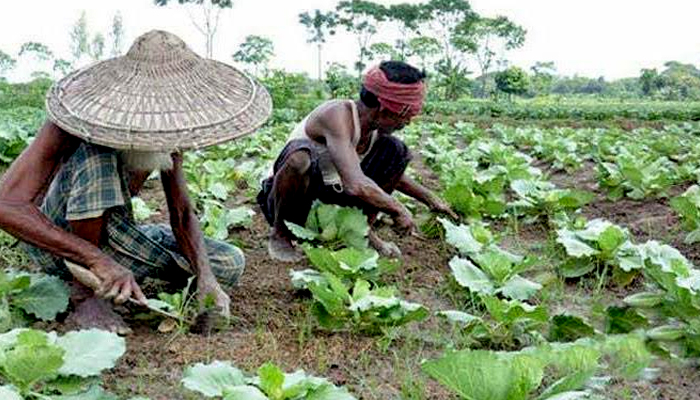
x: 298, y: 162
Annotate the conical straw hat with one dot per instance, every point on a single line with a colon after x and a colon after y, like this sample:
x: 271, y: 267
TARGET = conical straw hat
x: 160, y: 96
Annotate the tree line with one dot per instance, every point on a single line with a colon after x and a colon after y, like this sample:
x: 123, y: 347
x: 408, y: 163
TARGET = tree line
x: 444, y: 37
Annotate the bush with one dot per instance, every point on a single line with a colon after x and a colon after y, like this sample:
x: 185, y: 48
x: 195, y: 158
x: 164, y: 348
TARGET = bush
x: 30, y: 94
x: 292, y: 91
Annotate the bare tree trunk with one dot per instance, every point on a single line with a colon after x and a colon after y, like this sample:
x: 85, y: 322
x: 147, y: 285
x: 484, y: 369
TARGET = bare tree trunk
x: 211, y: 14
x: 320, y: 71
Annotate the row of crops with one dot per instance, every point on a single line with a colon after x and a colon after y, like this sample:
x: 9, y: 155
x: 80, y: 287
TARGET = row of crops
x: 518, y: 343
x: 568, y: 109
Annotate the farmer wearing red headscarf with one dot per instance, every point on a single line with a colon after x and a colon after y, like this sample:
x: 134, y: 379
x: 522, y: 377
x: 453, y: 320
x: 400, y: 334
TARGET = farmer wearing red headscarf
x: 344, y: 153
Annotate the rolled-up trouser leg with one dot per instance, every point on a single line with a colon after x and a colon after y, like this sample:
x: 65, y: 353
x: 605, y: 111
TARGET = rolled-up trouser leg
x: 296, y: 208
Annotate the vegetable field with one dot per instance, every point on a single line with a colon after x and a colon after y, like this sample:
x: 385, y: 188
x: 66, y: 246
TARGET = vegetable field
x: 569, y: 275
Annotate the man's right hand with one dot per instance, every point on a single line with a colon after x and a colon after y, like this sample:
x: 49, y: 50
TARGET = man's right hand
x: 118, y: 283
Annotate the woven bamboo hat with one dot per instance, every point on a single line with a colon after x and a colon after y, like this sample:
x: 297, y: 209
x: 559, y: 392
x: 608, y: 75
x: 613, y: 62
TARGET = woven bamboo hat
x: 160, y: 96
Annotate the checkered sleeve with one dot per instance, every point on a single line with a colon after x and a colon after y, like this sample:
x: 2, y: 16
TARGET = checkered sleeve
x: 96, y: 184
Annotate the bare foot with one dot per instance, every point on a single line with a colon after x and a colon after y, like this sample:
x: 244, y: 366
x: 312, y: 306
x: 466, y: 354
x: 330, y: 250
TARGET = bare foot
x: 384, y: 248
x: 281, y: 248
x: 97, y: 313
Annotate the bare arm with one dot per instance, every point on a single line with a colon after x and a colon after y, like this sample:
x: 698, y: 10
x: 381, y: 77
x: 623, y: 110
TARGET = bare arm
x: 421, y: 193
x: 27, y: 180
x: 183, y: 219
x: 346, y: 161
x: 189, y: 237
x: 411, y: 188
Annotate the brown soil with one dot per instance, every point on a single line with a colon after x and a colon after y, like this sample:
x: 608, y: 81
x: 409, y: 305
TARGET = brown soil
x: 272, y: 321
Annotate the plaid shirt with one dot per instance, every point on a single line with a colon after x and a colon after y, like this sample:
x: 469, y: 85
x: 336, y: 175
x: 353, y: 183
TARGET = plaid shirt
x: 91, y: 182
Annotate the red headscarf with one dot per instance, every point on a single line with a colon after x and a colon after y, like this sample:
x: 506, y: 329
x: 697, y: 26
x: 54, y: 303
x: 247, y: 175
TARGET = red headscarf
x: 399, y: 98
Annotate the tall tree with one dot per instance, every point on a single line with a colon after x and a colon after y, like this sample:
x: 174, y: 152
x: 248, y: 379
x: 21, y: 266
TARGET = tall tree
x: 79, y: 38
x: 210, y: 14
x: 319, y: 26
x: 97, y: 47
x: 649, y: 81
x: 116, y: 35
x: 543, y: 73
x: 40, y: 57
x: 361, y: 18
x: 62, y: 67
x: 444, y: 16
x: 382, y: 51
x: 255, y: 51
x: 35, y: 49
x: 7, y: 63
x: 409, y: 18
x: 424, y: 47
x: 490, y: 38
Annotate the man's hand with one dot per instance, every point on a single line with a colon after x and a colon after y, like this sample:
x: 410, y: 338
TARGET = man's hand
x: 384, y: 248
x: 210, y: 289
x: 441, y: 206
x: 117, y: 282
x: 404, y: 222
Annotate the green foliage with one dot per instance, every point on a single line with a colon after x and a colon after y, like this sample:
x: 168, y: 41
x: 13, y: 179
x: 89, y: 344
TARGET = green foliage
x: 79, y: 37
x: 599, y: 243
x: 142, y: 211
x: 475, y: 178
x: 292, y: 93
x: 34, y: 364
x: 223, y: 380
x: 116, y: 35
x: 16, y: 95
x: 7, y: 63
x: 512, y: 81
x: 672, y: 305
x: 350, y: 263
x: 636, y: 175
x: 341, y: 83
x: 255, y: 51
x: 218, y: 3
x: 217, y: 221
x: 362, y: 19
x: 182, y: 304
x: 493, y: 270
x: 38, y: 50
x: 334, y: 226
x: 687, y: 206
x: 23, y: 295
x: 17, y: 128
x: 507, y: 324
x: 542, y: 198
x: 568, y: 108
x: 423, y: 47
x: 489, y: 375
x: 363, y: 306
x: 677, y: 82
x: 319, y: 26
x: 566, y: 328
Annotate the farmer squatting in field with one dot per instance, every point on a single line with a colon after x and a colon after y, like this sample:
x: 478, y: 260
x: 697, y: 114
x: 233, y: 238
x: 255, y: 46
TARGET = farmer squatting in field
x: 110, y: 125
x: 344, y: 153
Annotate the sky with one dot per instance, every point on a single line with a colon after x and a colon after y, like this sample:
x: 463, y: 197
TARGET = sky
x: 610, y: 38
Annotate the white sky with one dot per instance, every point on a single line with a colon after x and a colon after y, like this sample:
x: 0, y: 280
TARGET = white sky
x: 613, y: 38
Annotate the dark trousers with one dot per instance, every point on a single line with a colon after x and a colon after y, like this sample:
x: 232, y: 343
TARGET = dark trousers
x: 385, y: 164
